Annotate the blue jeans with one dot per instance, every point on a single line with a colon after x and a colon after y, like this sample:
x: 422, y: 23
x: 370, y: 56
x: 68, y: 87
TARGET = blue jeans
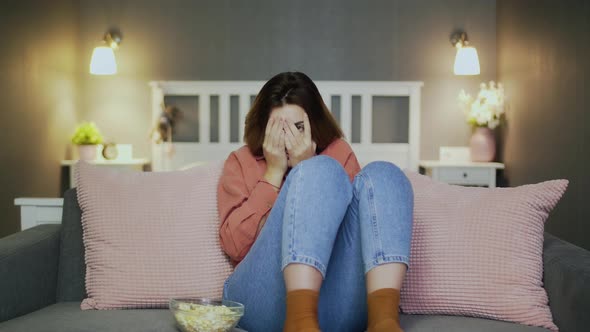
x: 342, y: 229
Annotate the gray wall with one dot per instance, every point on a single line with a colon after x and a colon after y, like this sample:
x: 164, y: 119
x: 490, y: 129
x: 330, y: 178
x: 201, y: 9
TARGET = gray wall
x: 38, y: 93
x: 51, y: 44
x: 543, y: 59
x: 253, y: 40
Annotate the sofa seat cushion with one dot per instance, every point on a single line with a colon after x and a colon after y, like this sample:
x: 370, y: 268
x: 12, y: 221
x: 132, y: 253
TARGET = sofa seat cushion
x: 439, y: 323
x: 68, y: 317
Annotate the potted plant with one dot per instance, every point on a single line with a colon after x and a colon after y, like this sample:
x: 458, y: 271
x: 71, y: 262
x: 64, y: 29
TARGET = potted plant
x: 483, y: 114
x: 86, y: 137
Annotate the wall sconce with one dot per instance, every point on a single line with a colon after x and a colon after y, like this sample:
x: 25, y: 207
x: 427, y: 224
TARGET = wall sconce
x: 103, y: 57
x: 466, y: 60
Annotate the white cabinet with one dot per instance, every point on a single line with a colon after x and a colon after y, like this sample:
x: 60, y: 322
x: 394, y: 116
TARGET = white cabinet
x: 465, y: 173
x: 37, y: 211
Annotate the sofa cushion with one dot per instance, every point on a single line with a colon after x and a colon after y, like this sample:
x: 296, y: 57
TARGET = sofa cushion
x: 71, y: 272
x: 478, y: 251
x: 67, y: 317
x: 150, y: 236
x: 443, y: 323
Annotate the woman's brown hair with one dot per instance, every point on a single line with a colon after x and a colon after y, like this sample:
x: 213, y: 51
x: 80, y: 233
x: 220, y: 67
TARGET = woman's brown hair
x: 290, y: 88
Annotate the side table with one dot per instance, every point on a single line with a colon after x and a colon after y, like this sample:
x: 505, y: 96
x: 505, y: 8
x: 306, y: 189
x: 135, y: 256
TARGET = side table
x: 466, y: 173
x: 36, y: 211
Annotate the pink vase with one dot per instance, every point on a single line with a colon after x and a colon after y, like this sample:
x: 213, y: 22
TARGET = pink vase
x: 482, y: 146
x: 87, y: 152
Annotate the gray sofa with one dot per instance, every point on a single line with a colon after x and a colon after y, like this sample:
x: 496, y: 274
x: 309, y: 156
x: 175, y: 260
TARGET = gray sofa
x: 42, y: 284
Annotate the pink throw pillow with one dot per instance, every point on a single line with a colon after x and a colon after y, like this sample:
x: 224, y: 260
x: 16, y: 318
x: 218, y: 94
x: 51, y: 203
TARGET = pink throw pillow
x: 478, y: 251
x: 150, y: 236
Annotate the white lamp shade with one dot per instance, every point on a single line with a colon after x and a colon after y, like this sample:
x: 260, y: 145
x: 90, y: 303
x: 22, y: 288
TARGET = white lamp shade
x: 466, y: 61
x: 103, y: 61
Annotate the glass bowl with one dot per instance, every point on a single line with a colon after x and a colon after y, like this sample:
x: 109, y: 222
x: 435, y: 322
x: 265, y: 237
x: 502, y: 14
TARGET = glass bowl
x: 206, y: 315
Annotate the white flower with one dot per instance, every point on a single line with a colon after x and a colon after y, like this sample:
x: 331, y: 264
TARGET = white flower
x: 488, y: 106
x: 493, y: 123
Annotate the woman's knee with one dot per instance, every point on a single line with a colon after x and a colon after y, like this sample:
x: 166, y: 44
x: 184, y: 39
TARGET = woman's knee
x: 321, y: 162
x: 323, y: 168
x: 386, y: 173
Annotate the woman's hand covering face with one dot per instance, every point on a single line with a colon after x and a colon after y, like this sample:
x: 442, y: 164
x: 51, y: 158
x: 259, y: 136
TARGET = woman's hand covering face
x: 273, y: 146
x: 298, y: 143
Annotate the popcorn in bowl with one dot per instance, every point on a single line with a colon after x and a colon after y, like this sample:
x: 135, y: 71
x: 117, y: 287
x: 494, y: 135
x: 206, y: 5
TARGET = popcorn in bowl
x: 206, y: 315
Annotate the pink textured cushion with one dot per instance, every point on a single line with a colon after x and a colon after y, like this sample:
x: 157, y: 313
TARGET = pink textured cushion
x: 150, y: 236
x: 478, y: 251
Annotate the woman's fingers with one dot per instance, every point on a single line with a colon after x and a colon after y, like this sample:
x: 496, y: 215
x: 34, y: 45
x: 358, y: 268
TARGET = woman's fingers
x: 269, y: 125
x: 268, y: 137
x: 277, y: 134
x: 281, y: 146
x: 269, y: 134
x: 295, y: 133
x: 282, y: 136
x: 266, y: 132
x: 289, y: 139
x: 306, y: 129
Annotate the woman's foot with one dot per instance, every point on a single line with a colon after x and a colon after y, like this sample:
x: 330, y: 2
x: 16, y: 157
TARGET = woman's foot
x: 383, y: 307
x: 302, y: 311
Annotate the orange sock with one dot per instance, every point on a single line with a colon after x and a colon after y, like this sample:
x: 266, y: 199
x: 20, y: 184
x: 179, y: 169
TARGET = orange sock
x: 383, y: 310
x: 302, y: 311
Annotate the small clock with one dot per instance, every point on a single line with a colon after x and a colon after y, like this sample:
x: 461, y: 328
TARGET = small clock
x: 109, y: 151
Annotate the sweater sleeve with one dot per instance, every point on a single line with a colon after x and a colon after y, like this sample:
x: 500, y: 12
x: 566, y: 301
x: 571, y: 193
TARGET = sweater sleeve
x: 241, y: 210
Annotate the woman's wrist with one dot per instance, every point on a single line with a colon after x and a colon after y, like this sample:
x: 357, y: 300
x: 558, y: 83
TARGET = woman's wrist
x: 274, y: 177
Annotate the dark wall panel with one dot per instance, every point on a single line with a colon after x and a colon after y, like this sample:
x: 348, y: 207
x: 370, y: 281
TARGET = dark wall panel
x: 38, y: 92
x: 543, y: 60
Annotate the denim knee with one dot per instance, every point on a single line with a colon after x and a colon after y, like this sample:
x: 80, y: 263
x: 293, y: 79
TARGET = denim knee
x: 325, y: 168
x: 378, y: 171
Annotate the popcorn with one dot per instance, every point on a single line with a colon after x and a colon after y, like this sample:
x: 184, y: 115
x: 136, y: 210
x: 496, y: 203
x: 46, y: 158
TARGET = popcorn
x: 205, y: 318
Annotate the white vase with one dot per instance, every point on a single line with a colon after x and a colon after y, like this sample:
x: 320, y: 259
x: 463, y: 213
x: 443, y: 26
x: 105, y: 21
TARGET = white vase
x: 87, y: 152
x: 482, y: 145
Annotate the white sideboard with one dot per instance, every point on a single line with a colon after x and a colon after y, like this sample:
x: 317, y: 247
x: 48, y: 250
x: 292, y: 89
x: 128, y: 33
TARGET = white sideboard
x: 37, y: 211
x: 465, y: 173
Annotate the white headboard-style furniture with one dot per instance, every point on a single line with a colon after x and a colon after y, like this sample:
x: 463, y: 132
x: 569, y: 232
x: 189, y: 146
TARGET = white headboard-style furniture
x: 221, y: 108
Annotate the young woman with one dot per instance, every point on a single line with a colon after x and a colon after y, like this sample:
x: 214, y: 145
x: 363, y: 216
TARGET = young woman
x: 319, y: 243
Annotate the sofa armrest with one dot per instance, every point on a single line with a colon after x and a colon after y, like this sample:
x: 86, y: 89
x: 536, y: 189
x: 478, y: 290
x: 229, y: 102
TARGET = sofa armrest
x: 28, y: 270
x: 566, y: 277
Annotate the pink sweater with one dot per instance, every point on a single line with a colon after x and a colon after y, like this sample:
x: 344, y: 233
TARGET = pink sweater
x: 244, y: 198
